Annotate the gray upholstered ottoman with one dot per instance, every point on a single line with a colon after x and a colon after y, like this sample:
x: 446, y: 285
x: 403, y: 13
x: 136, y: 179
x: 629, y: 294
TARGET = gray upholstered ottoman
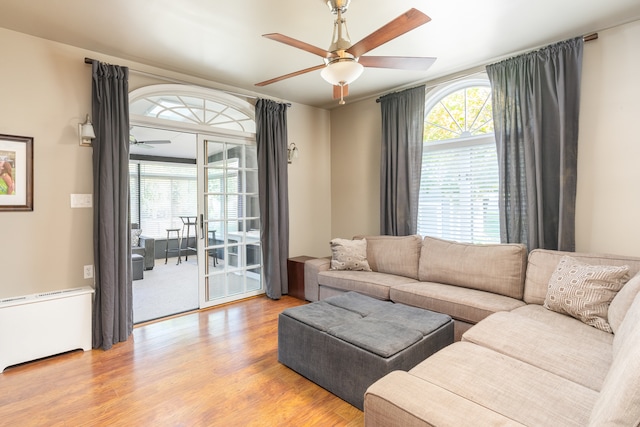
x: 347, y: 342
x: 137, y: 266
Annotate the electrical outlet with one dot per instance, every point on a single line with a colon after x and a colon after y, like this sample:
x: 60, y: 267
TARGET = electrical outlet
x: 88, y: 271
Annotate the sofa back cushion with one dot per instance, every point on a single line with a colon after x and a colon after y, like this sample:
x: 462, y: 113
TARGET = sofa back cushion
x: 498, y: 268
x: 619, y: 401
x: 397, y: 255
x: 543, y: 262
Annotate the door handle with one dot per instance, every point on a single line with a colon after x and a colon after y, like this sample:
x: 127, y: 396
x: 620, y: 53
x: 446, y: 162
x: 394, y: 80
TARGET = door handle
x: 201, y: 227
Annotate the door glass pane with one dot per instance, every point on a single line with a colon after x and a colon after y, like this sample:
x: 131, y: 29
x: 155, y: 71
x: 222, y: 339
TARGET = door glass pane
x: 215, y: 152
x: 254, y: 279
x: 232, y: 206
x: 235, y: 157
x: 215, y: 206
x: 251, y: 180
x: 251, y: 157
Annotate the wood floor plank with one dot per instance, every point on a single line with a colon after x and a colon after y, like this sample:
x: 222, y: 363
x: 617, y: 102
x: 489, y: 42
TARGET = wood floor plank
x: 215, y: 367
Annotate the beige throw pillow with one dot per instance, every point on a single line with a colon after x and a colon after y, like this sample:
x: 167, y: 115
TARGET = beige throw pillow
x: 585, y: 291
x: 349, y: 255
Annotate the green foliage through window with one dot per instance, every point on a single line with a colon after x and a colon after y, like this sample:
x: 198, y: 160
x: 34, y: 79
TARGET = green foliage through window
x: 463, y: 113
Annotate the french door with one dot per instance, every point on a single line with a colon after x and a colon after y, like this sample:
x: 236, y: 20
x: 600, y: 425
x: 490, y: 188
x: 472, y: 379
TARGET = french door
x: 229, y: 253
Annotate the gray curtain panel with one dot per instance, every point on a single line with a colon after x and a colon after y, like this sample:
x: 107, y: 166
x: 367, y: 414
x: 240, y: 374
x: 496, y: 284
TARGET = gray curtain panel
x: 401, y: 160
x: 536, y: 108
x: 112, y: 310
x: 271, y: 140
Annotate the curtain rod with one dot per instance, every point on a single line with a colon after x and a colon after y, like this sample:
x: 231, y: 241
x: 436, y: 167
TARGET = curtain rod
x: 172, y: 80
x: 475, y: 70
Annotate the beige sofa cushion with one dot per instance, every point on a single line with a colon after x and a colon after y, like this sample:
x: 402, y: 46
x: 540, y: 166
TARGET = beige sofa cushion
x: 468, y: 305
x: 507, y: 386
x: 584, y: 291
x: 622, y: 301
x: 619, y: 401
x: 551, y: 341
x: 394, y: 254
x: 370, y: 283
x: 493, y: 268
x: 543, y: 262
x: 402, y: 399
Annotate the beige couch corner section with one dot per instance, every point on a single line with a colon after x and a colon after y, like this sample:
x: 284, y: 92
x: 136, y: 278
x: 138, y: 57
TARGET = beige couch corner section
x: 525, y: 366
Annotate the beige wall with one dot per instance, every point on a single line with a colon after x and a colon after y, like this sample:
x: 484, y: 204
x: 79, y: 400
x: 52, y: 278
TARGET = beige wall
x: 41, y: 98
x: 355, y: 169
x: 309, y: 181
x: 45, y: 90
x: 608, y: 199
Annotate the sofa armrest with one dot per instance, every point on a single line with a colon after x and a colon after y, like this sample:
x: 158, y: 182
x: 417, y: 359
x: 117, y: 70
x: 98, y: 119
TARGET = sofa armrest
x: 311, y: 269
x: 149, y: 245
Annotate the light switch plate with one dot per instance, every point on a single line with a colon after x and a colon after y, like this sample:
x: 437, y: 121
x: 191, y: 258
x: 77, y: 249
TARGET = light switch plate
x: 81, y: 200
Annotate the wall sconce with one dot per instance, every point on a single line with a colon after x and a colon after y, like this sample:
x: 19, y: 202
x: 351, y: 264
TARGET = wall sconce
x: 86, y: 133
x: 292, y: 153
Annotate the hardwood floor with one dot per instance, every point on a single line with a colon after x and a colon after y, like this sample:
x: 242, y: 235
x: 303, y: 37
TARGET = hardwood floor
x: 216, y: 367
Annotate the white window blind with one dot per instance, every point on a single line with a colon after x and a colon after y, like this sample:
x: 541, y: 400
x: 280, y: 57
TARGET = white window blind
x: 162, y: 194
x: 459, y: 191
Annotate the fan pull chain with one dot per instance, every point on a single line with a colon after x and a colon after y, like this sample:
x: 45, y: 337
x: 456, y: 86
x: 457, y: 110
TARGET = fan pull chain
x: 341, y: 94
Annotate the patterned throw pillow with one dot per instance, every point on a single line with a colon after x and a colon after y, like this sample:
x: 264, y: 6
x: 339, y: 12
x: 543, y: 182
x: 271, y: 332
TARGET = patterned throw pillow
x: 349, y: 255
x: 585, y: 291
x: 135, y: 237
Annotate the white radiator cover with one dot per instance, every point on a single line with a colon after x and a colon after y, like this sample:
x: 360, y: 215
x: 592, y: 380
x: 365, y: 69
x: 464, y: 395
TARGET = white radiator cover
x: 45, y: 324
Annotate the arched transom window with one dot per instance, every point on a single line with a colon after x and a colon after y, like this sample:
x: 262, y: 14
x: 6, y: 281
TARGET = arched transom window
x: 187, y: 105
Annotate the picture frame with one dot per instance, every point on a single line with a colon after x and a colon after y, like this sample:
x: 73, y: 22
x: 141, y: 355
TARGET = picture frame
x: 16, y: 173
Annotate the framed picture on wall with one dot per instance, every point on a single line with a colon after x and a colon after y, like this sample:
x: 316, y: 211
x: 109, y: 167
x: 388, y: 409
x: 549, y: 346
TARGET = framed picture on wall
x: 16, y: 173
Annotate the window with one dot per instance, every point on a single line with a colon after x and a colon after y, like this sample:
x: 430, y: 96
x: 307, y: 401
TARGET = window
x: 459, y: 185
x: 194, y: 107
x: 160, y: 194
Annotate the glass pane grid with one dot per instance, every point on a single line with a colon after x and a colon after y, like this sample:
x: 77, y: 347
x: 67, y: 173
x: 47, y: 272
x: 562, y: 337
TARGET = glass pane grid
x: 232, y: 210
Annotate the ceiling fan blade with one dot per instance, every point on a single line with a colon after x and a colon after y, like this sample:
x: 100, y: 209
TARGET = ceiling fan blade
x: 339, y: 94
x: 286, y: 76
x: 299, y: 44
x: 153, y: 142
x: 141, y: 145
x: 397, y: 62
x: 404, y: 23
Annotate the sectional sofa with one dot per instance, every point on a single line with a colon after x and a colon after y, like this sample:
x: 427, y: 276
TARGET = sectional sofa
x: 517, y: 359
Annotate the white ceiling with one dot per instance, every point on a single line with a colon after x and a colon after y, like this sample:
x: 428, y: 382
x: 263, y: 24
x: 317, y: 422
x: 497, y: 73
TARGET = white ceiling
x: 221, y: 40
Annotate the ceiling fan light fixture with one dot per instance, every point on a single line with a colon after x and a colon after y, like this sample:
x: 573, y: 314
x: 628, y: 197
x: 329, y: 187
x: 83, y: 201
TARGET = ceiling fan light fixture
x: 342, y: 71
x: 338, y: 5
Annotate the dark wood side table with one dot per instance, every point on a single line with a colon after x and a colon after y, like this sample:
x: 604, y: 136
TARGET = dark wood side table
x: 295, y: 273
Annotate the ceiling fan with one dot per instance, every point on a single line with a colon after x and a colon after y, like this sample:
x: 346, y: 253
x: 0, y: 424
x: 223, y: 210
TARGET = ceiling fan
x: 147, y: 144
x: 344, y: 62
